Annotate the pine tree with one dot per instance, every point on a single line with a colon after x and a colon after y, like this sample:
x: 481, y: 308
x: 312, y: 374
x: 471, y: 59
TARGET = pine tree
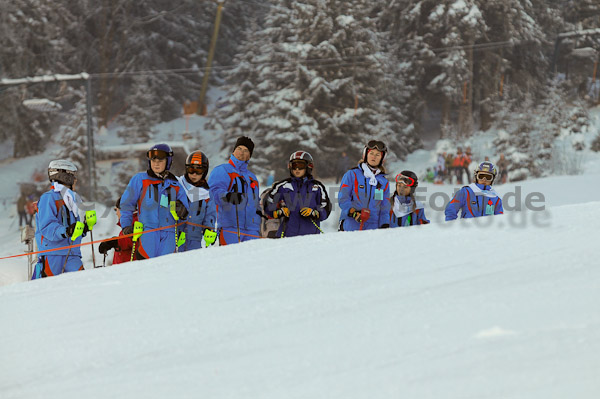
x: 311, y: 79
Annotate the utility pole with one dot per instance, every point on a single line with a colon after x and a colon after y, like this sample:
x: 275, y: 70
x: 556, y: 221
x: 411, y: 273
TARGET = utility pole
x: 211, y: 53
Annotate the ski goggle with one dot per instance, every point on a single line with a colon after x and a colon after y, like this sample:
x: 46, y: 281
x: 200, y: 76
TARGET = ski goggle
x: 197, y: 170
x: 298, y: 165
x: 157, y: 154
x: 485, y: 176
x: 376, y: 145
x: 407, y: 181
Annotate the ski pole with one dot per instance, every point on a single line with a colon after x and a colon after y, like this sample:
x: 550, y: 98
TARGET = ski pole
x: 237, y: 221
x: 77, y: 231
x: 173, y: 208
x: 317, y: 226
x: 138, y: 227
x: 90, y: 220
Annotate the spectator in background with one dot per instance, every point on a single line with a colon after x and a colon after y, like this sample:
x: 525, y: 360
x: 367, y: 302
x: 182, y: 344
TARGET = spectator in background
x: 343, y: 165
x: 502, y: 165
x: 30, y: 207
x: 449, y: 167
x: 21, y: 210
x: 458, y: 165
x: 440, y: 168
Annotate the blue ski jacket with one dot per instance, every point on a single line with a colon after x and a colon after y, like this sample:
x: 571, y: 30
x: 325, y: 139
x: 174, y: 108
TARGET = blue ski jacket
x: 203, y: 212
x: 52, y: 219
x: 234, y: 176
x: 151, y: 196
x: 473, y: 201
x: 356, y: 192
x: 406, y: 211
x: 295, y: 194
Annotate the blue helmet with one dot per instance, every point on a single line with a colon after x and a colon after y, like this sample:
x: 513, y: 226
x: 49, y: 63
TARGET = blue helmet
x: 160, y: 151
x: 486, y: 167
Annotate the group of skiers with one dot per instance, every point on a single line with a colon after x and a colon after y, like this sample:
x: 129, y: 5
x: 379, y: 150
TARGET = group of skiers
x: 160, y: 213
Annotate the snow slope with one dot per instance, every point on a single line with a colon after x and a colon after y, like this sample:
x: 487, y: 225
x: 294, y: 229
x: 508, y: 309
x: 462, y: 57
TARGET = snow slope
x: 457, y: 310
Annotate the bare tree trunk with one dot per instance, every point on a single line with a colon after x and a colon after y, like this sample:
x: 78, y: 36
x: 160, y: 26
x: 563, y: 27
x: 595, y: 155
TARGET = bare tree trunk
x: 465, y: 117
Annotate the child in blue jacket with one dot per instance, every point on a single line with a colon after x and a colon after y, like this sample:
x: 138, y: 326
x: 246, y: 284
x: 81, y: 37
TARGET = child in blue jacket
x: 406, y: 210
x: 57, y: 216
x: 364, y: 192
x: 200, y: 224
x: 478, y: 198
x: 300, y: 201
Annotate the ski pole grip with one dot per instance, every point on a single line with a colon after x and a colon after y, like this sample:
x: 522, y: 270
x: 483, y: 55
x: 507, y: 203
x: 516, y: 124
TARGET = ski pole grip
x: 90, y: 219
x: 138, y: 228
x: 173, y: 208
x: 365, y: 214
x: 78, y: 231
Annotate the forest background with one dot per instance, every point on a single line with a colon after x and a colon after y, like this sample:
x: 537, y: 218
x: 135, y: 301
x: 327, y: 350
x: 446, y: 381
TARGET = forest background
x: 321, y: 75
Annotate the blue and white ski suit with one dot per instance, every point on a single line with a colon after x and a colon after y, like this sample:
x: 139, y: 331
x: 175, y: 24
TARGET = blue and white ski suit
x: 151, y: 196
x: 356, y: 192
x: 406, y: 211
x: 202, y: 214
x: 52, y: 219
x: 474, y: 200
x: 234, y: 176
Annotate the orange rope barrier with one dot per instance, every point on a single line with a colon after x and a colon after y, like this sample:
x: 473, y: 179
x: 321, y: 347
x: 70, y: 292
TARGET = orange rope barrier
x: 123, y: 236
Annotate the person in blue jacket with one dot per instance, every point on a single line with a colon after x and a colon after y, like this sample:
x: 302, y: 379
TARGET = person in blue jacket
x: 364, y: 192
x: 200, y: 223
x: 478, y: 198
x: 300, y: 201
x: 151, y: 194
x: 406, y: 210
x: 56, y: 221
x: 236, y: 193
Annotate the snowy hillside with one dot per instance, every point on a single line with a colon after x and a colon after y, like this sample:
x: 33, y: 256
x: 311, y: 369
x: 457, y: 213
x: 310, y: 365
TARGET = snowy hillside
x: 444, y: 310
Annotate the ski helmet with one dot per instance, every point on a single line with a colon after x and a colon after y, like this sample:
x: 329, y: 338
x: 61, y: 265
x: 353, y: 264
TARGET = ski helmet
x: 302, y: 156
x: 160, y: 151
x: 488, y: 168
x: 62, y: 171
x: 409, y: 178
x: 375, y: 145
x: 197, y: 160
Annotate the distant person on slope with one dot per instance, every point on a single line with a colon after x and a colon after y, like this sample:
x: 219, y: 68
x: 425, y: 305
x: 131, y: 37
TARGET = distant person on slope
x: 121, y: 245
x: 478, y: 198
x: 200, y: 224
x: 406, y: 210
x: 503, y: 168
x: 57, y: 223
x: 300, y: 200
x: 365, y: 192
x: 236, y: 192
x: 154, y: 194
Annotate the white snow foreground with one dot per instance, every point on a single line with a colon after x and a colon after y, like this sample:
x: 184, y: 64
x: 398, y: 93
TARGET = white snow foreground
x: 438, y: 311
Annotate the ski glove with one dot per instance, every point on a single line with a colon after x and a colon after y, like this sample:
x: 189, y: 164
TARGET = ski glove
x: 181, y: 210
x: 106, y: 246
x: 72, y: 229
x: 209, y: 237
x: 127, y: 230
x: 234, y: 198
x: 283, y: 211
x: 309, y: 212
x: 354, y: 214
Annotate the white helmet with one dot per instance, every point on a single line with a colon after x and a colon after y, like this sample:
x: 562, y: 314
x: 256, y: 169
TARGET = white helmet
x: 62, y: 171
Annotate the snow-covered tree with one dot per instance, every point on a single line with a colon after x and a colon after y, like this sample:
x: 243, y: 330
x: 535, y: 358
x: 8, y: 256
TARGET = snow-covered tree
x: 311, y: 79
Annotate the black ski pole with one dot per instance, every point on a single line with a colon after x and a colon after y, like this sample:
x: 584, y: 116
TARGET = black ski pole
x: 237, y: 222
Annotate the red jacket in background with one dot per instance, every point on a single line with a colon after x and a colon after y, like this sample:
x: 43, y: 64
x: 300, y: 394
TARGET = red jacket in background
x: 123, y: 254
